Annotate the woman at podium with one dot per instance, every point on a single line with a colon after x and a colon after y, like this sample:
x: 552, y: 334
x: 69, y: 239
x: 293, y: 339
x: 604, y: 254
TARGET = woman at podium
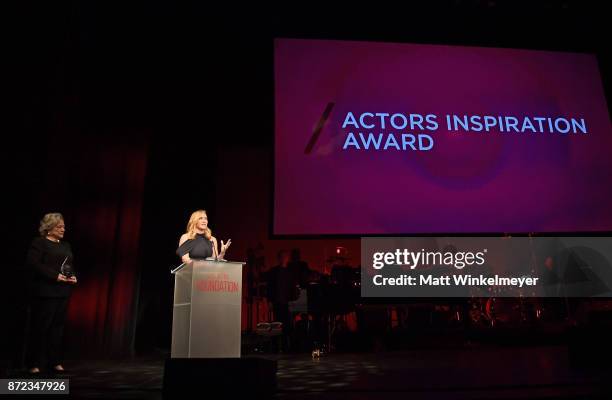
x: 198, y: 243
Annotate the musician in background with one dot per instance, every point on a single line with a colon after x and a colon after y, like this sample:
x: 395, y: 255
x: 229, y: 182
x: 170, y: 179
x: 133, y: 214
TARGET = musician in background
x: 550, y: 278
x: 300, y: 269
x: 255, y: 268
x: 552, y: 284
x: 282, y: 285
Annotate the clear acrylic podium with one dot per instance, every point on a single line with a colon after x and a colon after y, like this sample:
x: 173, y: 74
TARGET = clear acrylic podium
x: 206, y: 318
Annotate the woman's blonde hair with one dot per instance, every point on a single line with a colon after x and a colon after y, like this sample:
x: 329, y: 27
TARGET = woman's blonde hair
x: 191, y: 225
x: 48, y: 222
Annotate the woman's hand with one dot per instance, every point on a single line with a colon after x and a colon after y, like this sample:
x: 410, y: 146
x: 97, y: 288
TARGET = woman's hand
x: 62, y: 278
x: 224, y: 247
x: 72, y: 280
x: 186, y: 259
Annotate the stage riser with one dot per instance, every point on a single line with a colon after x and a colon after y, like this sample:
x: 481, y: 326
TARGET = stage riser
x: 188, y: 377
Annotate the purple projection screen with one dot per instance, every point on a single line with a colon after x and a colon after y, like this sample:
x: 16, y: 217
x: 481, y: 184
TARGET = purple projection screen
x: 387, y: 138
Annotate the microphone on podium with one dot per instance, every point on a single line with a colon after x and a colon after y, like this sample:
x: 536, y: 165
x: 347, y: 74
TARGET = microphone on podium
x: 177, y: 269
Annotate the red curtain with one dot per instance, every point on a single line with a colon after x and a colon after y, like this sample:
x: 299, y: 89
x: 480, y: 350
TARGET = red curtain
x: 97, y: 182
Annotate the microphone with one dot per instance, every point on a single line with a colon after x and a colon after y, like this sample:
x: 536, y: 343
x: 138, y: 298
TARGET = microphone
x: 175, y: 270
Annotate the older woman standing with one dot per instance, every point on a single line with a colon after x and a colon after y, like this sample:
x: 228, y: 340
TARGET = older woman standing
x: 49, y: 259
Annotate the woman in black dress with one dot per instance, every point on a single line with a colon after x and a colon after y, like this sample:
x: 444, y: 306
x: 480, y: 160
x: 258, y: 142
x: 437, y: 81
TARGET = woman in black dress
x: 198, y: 242
x: 50, y: 261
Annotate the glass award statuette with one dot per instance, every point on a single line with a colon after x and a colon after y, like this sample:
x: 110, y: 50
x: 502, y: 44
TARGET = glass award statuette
x: 67, y: 269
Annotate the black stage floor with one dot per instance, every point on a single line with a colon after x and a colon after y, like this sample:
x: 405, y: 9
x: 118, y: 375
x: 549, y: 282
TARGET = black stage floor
x: 474, y: 372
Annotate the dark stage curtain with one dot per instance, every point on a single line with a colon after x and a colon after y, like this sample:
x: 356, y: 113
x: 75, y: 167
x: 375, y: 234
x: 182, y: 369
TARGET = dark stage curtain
x: 70, y: 146
x: 97, y: 183
x: 103, y: 207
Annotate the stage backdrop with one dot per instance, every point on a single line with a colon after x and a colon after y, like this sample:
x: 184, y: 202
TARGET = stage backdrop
x: 98, y: 186
x: 386, y: 138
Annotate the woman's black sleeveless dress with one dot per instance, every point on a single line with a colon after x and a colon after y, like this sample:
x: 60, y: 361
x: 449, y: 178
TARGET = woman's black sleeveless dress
x: 198, y: 248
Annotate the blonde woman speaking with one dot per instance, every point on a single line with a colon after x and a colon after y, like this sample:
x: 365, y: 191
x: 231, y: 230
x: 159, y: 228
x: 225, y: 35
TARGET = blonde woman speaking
x: 198, y: 243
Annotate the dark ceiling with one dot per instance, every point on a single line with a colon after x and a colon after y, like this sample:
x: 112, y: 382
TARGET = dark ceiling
x: 168, y: 67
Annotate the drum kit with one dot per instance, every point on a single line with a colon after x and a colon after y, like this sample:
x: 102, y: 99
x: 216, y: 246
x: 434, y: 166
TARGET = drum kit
x: 501, y: 307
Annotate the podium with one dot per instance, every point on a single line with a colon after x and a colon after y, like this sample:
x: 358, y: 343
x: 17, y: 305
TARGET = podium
x: 205, y: 352
x: 206, y: 320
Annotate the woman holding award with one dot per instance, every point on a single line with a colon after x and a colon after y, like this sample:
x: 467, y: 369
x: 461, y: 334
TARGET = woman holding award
x: 198, y: 242
x: 50, y: 261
